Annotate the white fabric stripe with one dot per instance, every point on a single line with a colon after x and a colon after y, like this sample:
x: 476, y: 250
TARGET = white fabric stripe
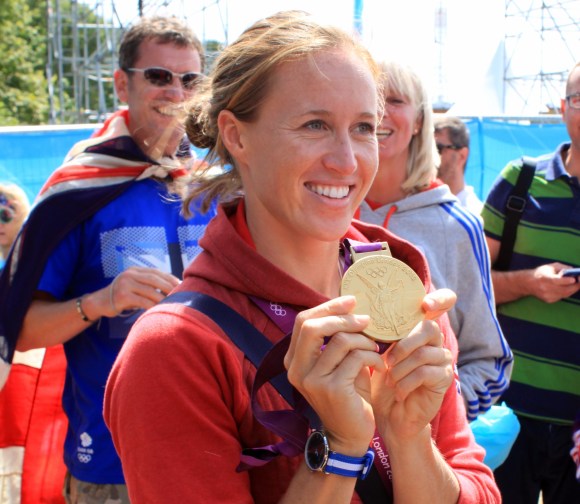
x: 31, y: 358
x: 4, y: 366
x: 100, y: 160
x: 115, y: 128
x: 11, y: 459
x: 347, y: 466
x: 107, y: 163
x: 11, y: 463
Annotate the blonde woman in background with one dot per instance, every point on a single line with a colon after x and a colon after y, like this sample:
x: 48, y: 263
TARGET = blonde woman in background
x: 407, y: 198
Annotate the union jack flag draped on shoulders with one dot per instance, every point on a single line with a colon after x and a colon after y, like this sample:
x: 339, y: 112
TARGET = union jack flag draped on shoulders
x: 95, y: 172
x: 33, y: 423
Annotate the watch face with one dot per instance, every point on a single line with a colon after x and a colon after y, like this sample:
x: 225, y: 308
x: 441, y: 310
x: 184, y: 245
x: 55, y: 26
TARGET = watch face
x: 316, y: 451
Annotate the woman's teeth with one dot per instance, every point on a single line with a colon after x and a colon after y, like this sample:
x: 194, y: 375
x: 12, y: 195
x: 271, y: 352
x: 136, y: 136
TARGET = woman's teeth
x: 383, y: 133
x: 335, y: 192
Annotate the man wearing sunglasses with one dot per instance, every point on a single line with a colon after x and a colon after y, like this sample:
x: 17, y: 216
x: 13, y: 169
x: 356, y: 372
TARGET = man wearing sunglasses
x: 106, y: 241
x: 452, y: 140
x: 539, y: 311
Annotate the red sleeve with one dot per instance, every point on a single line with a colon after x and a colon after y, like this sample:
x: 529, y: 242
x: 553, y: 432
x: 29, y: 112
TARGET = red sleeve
x: 455, y: 441
x: 178, y: 407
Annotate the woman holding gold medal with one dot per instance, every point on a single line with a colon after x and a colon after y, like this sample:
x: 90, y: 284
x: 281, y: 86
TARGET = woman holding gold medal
x: 192, y: 418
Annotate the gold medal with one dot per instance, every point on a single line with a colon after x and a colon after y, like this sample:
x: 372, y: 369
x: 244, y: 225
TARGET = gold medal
x: 387, y: 290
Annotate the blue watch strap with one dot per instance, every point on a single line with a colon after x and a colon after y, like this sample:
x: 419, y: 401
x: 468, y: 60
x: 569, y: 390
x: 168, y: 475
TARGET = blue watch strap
x: 353, y: 467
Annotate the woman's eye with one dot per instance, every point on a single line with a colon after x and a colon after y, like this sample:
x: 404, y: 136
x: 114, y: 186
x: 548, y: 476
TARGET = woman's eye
x: 395, y: 101
x: 366, y: 128
x: 315, y: 125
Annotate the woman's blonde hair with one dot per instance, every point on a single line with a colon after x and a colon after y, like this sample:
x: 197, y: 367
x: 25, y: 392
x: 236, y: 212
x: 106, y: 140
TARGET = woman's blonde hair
x: 240, y: 81
x: 422, y: 162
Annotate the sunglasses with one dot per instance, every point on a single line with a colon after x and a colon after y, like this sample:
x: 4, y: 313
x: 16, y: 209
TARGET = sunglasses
x: 6, y: 215
x: 442, y: 147
x: 574, y: 100
x: 161, y: 77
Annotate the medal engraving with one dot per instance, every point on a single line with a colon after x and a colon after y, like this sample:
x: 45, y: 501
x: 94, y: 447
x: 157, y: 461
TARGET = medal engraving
x: 387, y: 290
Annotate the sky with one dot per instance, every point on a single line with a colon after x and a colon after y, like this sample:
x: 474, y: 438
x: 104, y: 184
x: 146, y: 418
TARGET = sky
x: 456, y: 46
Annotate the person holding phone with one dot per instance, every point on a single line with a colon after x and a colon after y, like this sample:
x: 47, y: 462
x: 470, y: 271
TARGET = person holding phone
x: 538, y: 300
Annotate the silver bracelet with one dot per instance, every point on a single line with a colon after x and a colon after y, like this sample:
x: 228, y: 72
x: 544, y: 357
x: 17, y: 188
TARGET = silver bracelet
x: 81, y: 312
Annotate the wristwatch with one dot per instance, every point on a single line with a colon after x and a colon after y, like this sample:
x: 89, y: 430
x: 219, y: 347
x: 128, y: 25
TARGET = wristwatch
x: 319, y: 457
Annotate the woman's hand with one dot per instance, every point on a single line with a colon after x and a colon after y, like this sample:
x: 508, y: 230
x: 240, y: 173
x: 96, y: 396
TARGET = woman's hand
x: 438, y: 302
x: 335, y: 378
x: 407, y: 394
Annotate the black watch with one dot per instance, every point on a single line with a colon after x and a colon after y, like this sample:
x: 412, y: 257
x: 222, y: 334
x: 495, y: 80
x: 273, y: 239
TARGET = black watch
x: 319, y: 457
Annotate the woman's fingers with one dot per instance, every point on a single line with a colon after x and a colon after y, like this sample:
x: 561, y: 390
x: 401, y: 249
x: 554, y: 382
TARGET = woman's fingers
x: 315, y: 324
x: 345, y: 355
x: 313, y: 357
x: 434, y: 375
x: 420, y: 360
x: 329, y: 362
x: 438, y: 302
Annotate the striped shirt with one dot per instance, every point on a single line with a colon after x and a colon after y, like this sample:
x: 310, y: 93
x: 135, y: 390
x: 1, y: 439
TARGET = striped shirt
x: 544, y: 337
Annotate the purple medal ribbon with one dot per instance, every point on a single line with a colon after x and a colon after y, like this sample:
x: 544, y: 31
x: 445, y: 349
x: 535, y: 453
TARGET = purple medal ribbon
x: 291, y: 425
x: 358, y: 247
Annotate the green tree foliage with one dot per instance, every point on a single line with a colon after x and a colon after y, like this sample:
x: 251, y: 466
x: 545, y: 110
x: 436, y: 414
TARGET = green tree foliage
x: 79, y: 89
x: 23, y: 89
x: 64, y: 41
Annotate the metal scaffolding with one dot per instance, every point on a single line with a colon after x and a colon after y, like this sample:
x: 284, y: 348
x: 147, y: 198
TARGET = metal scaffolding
x: 82, y: 51
x: 81, y: 59
x: 542, y: 44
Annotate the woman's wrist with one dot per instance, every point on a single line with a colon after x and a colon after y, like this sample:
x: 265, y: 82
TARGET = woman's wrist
x: 352, y: 446
x: 418, y: 440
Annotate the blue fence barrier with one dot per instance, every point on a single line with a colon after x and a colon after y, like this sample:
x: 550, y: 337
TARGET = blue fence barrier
x: 29, y: 155
x: 494, y: 143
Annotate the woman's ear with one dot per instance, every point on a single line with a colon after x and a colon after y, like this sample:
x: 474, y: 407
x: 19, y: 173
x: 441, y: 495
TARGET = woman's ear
x: 418, y: 124
x: 230, y: 131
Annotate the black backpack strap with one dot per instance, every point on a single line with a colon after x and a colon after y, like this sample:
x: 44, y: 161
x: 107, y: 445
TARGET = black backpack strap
x: 255, y: 346
x: 515, y: 206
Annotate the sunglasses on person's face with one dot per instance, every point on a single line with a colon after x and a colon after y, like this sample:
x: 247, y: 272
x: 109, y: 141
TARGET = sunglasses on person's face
x: 6, y: 215
x: 442, y: 147
x: 161, y: 77
x: 573, y: 100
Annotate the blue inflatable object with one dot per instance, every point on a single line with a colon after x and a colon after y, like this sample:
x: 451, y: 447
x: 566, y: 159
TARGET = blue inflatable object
x: 496, y: 431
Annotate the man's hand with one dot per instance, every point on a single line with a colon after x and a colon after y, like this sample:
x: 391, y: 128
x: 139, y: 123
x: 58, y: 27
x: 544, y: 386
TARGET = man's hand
x: 544, y: 282
x: 550, y: 286
x: 138, y: 288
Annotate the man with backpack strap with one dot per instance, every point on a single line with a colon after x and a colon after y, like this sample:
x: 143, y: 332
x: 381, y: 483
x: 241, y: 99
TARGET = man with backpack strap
x: 539, y: 309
